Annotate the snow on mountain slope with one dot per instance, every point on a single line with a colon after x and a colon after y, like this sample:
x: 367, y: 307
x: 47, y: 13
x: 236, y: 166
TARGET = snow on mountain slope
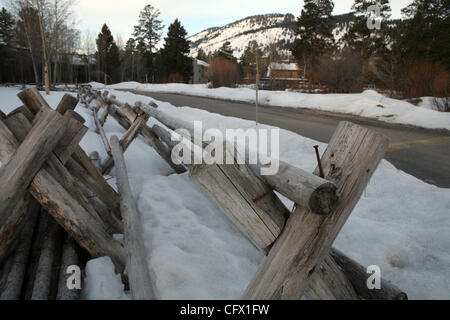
x: 265, y: 29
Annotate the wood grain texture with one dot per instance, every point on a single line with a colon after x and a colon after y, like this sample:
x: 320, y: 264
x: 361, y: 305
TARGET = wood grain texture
x: 75, y: 132
x: 244, y: 198
x: 104, y: 114
x: 358, y: 276
x: 126, y: 141
x: 69, y: 258
x: 102, y: 133
x: 12, y: 288
x: 43, y: 281
x: 33, y: 100
x: 17, y: 174
x: 330, y: 283
x: 88, y: 231
x: 304, y: 188
x: 350, y: 160
x: 25, y: 111
x: 125, y: 115
x: 98, y: 186
x: 20, y: 125
x: 68, y: 102
x: 13, y: 224
x: 137, y: 267
x: 90, y: 175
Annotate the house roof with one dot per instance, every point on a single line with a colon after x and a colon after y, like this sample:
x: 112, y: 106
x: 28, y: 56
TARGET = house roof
x: 281, y: 67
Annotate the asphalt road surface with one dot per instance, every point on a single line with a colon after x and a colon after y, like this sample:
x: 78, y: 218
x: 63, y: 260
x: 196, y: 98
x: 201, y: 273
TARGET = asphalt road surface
x: 422, y: 153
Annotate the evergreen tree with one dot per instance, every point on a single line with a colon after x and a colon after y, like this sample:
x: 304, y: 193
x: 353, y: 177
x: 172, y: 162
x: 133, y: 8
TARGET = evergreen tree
x: 7, y: 45
x: 148, y: 32
x: 272, y: 51
x: 108, y: 57
x: 252, y: 55
x: 176, y: 50
x: 29, y: 37
x: 226, y: 51
x: 359, y: 37
x: 201, y: 55
x: 427, y: 32
x: 314, y: 33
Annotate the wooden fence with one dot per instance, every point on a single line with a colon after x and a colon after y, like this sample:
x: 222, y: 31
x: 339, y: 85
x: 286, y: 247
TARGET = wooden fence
x: 56, y: 208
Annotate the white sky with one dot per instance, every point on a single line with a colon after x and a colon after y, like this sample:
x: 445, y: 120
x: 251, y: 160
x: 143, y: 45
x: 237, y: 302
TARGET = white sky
x: 195, y: 15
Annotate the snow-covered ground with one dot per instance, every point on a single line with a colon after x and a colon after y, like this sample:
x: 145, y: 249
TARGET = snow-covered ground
x: 400, y: 224
x: 369, y: 104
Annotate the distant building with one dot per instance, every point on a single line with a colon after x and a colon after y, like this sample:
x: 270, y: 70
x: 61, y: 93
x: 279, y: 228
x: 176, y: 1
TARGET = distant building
x: 199, y: 72
x: 284, y: 75
x: 283, y: 71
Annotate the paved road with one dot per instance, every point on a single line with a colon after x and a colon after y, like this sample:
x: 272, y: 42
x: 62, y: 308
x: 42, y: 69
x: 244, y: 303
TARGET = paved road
x: 423, y: 153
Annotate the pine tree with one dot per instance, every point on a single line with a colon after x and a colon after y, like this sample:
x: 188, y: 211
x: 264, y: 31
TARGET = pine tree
x: 7, y: 45
x: 29, y: 36
x: 108, y: 56
x: 226, y: 51
x: 427, y: 32
x: 359, y: 37
x: 252, y: 55
x: 272, y: 51
x: 176, y: 50
x: 314, y: 33
x: 201, y: 55
x: 148, y: 32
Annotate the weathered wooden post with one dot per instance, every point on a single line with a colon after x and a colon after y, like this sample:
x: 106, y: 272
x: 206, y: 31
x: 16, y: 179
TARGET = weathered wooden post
x: 129, y: 115
x: 102, y: 133
x: 357, y: 275
x: 18, y: 260
x: 126, y: 141
x: 17, y: 174
x: 350, y: 160
x: 79, y: 164
x: 69, y: 258
x: 44, y: 282
x: 87, y: 230
x: 136, y: 266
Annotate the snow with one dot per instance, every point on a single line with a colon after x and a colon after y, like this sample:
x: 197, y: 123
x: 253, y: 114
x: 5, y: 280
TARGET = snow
x: 265, y: 31
x: 283, y: 66
x: 202, y: 63
x: 400, y: 224
x: 368, y: 104
x: 101, y: 282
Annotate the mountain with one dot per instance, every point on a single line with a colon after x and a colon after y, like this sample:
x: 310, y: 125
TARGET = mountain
x: 265, y: 29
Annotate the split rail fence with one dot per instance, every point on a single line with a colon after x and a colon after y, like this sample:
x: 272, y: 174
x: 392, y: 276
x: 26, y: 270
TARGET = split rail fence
x: 57, y: 209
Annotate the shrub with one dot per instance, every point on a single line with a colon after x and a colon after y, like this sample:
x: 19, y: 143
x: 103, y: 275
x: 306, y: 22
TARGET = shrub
x: 175, y: 78
x: 223, y: 73
x: 340, y: 74
x: 425, y: 78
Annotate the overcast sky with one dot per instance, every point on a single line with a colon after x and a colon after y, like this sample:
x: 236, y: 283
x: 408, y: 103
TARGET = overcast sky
x: 195, y: 15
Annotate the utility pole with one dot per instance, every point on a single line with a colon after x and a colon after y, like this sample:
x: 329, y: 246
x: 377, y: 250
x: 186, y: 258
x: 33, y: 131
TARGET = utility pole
x: 257, y: 86
x: 44, y: 51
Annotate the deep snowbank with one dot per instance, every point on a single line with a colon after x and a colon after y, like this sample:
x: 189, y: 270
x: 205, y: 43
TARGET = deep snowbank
x: 369, y: 104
